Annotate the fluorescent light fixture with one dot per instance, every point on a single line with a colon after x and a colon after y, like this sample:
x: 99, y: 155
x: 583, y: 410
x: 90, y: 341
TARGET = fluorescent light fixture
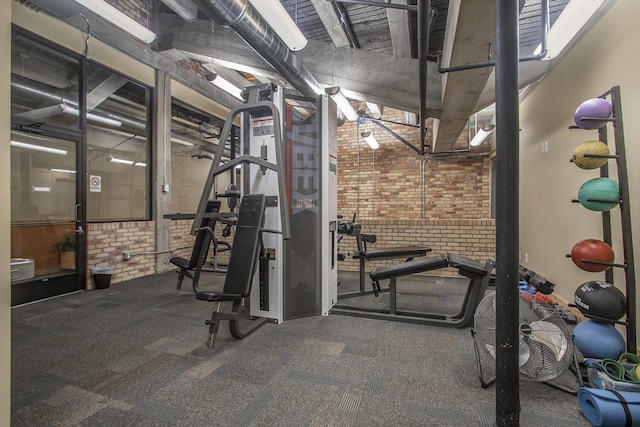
x: 182, y: 142
x: 480, y: 136
x: 122, y: 161
x: 62, y: 170
x: 119, y: 19
x: 574, y: 16
x: 90, y: 116
x: 142, y: 164
x: 228, y: 87
x: 371, y: 140
x: 42, y: 189
x: 374, y: 109
x: 343, y: 103
x: 38, y: 148
x: 280, y: 21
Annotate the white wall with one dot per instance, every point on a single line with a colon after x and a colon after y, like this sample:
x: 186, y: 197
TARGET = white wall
x: 549, y: 223
x: 5, y: 215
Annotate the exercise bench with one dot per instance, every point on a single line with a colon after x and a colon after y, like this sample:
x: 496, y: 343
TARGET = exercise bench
x: 243, y: 261
x: 364, y: 253
x: 193, y: 266
x: 478, y: 274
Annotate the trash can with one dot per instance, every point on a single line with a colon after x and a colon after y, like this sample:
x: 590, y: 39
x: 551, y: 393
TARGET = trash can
x: 102, y: 276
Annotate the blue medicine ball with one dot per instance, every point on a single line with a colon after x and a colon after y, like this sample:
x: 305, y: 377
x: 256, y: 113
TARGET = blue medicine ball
x: 598, y: 340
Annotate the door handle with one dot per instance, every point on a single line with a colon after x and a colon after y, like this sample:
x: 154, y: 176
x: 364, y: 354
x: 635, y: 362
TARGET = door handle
x: 77, y: 217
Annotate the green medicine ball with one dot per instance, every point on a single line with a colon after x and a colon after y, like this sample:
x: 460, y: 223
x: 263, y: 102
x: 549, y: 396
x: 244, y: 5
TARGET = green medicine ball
x: 601, y: 189
x: 590, y: 147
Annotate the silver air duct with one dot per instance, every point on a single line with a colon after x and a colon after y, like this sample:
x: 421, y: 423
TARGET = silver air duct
x: 249, y: 25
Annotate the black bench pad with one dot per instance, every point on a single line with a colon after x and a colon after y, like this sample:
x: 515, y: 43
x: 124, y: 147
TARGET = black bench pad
x: 218, y: 296
x: 409, y: 267
x: 467, y: 264
x: 395, y: 252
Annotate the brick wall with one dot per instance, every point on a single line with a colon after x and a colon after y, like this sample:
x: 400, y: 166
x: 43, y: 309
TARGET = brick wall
x: 107, y: 241
x: 383, y: 187
x: 471, y: 238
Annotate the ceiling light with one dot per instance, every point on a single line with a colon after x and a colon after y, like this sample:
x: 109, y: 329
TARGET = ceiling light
x: 119, y: 19
x: 90, y: 116
x: 122, y: 161
x: 42, y: 189
x: 480, y: 136
x: 371, y: 140
x: 142, y: 164
x: 279, y: 20
x: 574, y: 16
x: 38, y: 148
x: 228, y: 87
x: 62, y: 170
x: 343, y: 103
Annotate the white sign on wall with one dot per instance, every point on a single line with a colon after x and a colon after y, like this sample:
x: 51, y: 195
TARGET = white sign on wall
x: 95, y: 183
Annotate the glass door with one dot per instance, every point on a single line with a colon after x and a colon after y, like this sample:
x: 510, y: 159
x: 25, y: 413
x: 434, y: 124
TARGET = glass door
x: 46, y: 228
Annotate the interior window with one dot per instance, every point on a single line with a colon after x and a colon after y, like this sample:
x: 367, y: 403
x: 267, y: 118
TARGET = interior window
x: 117, y: 147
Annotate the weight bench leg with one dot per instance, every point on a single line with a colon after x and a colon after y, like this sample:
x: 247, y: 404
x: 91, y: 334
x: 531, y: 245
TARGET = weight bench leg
x: 180, y: 277
x: 392, y: 295
x: 214, y: 325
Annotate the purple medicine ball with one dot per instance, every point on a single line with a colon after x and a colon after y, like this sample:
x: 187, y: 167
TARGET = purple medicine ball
x: 593, y: 108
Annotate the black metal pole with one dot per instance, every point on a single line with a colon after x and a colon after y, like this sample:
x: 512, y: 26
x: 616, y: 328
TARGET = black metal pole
x: 507, y: 214
x: 424, y: 6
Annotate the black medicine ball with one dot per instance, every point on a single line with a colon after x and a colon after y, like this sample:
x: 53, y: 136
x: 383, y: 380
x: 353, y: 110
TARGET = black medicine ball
x: 600, y: 299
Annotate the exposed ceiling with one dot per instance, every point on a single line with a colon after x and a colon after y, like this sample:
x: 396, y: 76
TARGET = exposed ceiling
x: 366, y: 47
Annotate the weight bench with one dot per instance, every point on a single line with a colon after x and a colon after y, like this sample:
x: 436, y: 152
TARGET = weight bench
x: 243, y: 260
x: 365, y: 254
x: 478, y: 274
x: 192, y: 267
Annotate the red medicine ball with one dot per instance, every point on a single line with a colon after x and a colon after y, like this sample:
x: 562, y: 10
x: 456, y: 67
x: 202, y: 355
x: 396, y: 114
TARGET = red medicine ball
x: 594, y: 250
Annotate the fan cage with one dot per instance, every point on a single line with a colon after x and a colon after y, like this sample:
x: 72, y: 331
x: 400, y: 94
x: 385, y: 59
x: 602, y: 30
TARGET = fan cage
x: 546, y: 349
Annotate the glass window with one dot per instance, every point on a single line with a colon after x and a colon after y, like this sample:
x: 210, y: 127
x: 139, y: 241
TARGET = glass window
x: 44, y: 85
x: 117, y: 147
x: 194, y: 141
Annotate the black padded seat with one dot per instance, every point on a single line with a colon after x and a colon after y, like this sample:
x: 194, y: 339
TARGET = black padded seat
x: 243, y: 259
x: 371, y: 254
x: 409, y: 267
x: 467, y: 264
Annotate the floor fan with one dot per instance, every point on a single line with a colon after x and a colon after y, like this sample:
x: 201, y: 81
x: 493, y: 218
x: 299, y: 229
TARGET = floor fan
x: 545, y: 346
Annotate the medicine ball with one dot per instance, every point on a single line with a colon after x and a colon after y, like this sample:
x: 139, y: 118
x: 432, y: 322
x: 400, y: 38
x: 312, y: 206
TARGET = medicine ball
x: 592, y: 249
x: 590, y: 147
x: 600, y: 299
x: 599, y: 189
x: 599, y: 340
x: 592, y: 108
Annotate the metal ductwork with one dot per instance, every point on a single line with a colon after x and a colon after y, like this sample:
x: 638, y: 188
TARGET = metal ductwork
x: 249, y: 25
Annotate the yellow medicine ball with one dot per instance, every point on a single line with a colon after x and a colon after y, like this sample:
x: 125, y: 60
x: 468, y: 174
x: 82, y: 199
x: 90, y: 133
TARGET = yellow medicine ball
x: 590, y: 147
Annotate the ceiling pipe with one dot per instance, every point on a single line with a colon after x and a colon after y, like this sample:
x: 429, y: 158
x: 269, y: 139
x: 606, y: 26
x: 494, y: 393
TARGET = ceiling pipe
x: 249, y: 25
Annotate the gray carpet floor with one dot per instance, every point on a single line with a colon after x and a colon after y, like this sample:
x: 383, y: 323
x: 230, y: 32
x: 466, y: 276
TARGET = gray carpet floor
x: 135, y: 355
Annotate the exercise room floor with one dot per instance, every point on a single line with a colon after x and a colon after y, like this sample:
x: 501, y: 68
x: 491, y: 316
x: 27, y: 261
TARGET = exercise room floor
x: 135, y: 355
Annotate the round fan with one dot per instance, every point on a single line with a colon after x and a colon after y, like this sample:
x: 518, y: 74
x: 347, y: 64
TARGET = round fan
x: 544, y: 349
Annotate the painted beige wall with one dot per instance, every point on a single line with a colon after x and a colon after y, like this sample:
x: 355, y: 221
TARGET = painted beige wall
x: 5, y: 215
x: 549, y: 223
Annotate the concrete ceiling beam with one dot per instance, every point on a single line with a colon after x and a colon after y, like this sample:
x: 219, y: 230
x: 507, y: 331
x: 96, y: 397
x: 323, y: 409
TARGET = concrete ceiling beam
x: 331, y: 22
x: 469, y: 36
x: 399, y: 27
x: 186, y: 9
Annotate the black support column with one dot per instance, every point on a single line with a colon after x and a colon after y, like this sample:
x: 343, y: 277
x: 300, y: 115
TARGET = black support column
x: 507, y: 214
